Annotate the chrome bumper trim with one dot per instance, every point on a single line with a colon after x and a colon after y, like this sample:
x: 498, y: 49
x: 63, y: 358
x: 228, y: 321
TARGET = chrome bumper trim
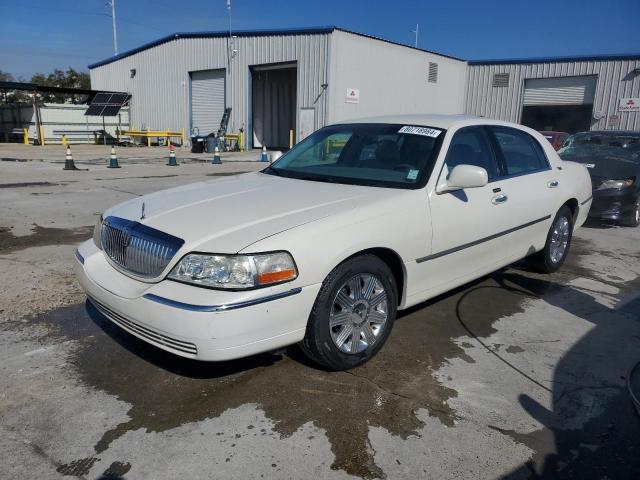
x: 220, y: 308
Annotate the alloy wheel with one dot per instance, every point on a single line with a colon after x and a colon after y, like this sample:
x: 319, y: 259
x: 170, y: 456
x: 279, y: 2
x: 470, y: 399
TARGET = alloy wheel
x: 358, y: 313
x: 559, y: 239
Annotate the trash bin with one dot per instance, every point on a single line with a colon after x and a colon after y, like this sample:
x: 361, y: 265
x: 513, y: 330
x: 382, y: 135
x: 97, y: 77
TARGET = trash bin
x: 212, y: 141
x: 197, y: 144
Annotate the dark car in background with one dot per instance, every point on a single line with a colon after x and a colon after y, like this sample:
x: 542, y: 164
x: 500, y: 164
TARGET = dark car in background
x: 613, y: 161
x: 556, y: 139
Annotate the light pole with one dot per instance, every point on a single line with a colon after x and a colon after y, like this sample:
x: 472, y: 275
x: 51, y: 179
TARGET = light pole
x: 112, y: 4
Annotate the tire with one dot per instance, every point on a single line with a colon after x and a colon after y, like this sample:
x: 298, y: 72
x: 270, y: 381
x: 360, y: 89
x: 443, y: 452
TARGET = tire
x: 549, y: 259
x: 360, y: 294
x: 633, y: 219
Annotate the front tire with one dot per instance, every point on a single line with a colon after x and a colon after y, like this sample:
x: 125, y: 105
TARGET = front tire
x: 353, y: 314
x: 556, y: 248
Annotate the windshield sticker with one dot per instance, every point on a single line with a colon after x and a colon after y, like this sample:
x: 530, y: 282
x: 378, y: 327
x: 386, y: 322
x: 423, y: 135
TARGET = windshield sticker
x: 590, y: 165
x: 427, y: 132
x: 413, y: 174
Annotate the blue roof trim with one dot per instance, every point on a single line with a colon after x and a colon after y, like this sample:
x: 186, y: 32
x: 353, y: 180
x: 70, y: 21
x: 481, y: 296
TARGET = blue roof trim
x: 576, y: 58
x: 254, y: 33
x: 218, y: 34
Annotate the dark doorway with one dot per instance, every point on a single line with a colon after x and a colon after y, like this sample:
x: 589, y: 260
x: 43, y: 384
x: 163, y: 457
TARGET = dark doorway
x: 558, y: 118
x: 273, y: 105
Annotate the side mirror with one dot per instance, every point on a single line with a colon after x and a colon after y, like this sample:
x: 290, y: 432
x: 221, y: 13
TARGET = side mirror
x: 465, y: 176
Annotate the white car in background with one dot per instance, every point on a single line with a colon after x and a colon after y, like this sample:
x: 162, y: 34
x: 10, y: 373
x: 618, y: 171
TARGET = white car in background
x: 323, y: 247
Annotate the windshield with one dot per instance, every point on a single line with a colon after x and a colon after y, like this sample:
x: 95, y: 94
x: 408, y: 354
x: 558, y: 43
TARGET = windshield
x: 587, y: 144
x: 384, y: 155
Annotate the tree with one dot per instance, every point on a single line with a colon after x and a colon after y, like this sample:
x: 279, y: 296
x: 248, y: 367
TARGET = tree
x: 59, y: 78
x: 12, y: 96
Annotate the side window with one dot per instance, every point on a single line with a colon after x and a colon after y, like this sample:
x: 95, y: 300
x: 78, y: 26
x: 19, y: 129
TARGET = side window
x: 471, y: 146
x: 521, y: 152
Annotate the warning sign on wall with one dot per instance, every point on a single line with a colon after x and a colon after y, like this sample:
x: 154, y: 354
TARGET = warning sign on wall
x: 629, y: 104
x: 353, y: 96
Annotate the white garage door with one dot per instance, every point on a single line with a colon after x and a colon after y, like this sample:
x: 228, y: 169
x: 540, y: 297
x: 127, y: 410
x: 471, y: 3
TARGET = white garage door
x: 207, y: 100
x: 560, y: 91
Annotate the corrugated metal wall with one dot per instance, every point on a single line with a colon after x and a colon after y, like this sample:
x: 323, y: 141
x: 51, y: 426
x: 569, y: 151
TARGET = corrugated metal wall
x: 160, y: 85
x: 615, y: 80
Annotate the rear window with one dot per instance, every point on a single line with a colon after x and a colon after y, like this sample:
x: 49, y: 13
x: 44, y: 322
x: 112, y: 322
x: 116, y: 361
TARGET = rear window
x: 521, y: 152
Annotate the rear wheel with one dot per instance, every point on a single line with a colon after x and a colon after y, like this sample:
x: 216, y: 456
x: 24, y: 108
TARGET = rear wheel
x: 556, y: 248
x: 353, y: 314
x: 633, y: 218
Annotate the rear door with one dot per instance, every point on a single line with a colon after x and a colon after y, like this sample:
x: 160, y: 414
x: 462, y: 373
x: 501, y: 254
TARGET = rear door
x: 530, y: 188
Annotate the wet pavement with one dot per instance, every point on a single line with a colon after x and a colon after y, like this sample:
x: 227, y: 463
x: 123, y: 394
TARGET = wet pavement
x: 517, y: 375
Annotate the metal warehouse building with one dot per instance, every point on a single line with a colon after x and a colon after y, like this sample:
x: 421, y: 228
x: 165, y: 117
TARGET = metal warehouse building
x: 275, y: 81
x: 563, y: 94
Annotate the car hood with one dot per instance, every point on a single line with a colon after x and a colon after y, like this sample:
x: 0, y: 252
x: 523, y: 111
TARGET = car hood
x: 227, y: 214
x: 606, y: 167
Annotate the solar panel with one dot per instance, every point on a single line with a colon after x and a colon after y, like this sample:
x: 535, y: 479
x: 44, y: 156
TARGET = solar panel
x: 101, y: 98
x: 118, y: 98
x: 95, y: 110
x: 111, y: 110
x: 107, y: 104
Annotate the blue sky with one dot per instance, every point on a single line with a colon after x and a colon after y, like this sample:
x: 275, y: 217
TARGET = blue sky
x: 40, y: 35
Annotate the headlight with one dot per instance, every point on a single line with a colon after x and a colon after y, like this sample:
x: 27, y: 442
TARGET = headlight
x: 235, y: 271
x: 618, y: 184
x: 97, y: 233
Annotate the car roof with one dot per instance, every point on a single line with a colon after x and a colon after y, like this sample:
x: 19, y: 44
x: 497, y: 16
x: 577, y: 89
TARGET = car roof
x: 428, y: 120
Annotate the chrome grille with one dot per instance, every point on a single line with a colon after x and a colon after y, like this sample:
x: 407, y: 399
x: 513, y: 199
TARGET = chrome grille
x: 152, y: 336
x: 137, y: 248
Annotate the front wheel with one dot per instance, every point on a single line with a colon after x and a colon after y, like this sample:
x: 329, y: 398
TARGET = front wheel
x: 556, y: 248
x: 353, y: 314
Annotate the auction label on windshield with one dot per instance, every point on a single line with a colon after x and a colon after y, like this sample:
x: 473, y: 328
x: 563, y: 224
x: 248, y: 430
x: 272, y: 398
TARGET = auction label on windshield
x: 427, y: 132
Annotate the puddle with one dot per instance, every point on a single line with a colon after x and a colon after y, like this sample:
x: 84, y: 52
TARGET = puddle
x: 41, y: 236
x: 166, y: 391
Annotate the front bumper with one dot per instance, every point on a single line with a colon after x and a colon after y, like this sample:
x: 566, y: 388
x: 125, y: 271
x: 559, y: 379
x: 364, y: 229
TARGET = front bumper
x: 613, y: 204
x: 191, y: 321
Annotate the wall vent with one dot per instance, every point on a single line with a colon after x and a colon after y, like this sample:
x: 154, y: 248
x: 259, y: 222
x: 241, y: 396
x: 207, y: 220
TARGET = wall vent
x: 500, y: 80
x: 433, y: 72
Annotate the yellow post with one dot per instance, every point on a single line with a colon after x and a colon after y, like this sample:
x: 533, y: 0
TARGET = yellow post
x: 148, y: 141
x: 25, y: 139
x: 242, y: 141
x: 117, y: 136
x: 182, y: 137
x: 169, y: 142
x: 291, y: 138
x: 42, y: 142
x: 64, y: 139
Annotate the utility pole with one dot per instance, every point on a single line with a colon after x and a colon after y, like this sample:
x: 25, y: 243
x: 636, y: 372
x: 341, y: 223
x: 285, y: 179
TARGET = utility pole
x: 416, y: 32
x: 112, y: 4
x: 230, y: 55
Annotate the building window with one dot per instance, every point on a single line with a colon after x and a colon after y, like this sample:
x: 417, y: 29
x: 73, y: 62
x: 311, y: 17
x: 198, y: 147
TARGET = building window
x: 500, y: 80
x: 433, y: 72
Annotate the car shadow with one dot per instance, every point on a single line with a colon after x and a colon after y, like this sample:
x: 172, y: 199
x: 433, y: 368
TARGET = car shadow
x: 593, y: 426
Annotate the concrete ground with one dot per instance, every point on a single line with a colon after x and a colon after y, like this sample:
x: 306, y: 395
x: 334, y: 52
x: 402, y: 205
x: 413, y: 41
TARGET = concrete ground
x: 517, y: 375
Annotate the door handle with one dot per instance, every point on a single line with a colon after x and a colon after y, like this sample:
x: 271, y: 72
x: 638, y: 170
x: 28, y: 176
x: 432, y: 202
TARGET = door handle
x: 498, y: 199
x: 552, y: 184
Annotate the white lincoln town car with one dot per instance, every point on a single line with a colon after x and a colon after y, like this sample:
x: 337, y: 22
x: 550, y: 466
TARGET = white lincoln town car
x: 324, y: 246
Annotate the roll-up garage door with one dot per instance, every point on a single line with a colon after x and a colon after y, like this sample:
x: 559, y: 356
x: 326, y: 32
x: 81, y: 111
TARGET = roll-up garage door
x: 207, y: 100
x: 560, y: 91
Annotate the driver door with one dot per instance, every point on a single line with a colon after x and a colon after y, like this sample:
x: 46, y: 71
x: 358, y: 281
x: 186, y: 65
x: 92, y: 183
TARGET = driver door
x: 466, y: 223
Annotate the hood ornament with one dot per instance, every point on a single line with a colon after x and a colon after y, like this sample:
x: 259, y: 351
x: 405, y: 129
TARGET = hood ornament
x: 142, y: 217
